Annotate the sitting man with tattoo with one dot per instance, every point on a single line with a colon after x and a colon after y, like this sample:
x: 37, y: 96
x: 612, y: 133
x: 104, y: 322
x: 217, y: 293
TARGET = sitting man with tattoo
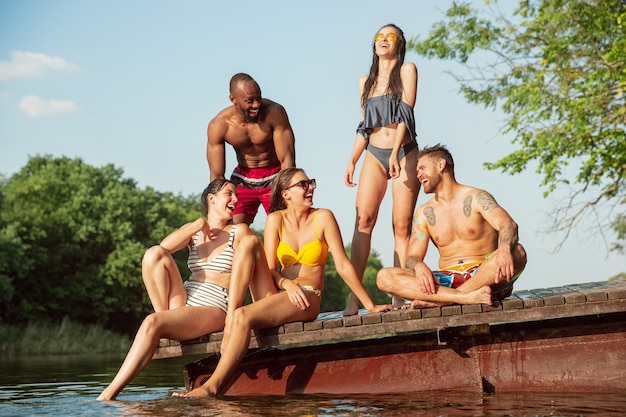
x: 479, y: 255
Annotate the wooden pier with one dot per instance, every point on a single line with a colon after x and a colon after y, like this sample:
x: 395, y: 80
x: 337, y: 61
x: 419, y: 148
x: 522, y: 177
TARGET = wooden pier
x: 562, y: 339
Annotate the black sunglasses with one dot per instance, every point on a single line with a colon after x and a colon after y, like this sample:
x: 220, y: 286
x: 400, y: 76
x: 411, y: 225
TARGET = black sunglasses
x: 305, y: 184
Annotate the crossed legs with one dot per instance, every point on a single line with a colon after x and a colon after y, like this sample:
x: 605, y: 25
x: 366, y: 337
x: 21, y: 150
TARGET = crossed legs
x: 476, y: 290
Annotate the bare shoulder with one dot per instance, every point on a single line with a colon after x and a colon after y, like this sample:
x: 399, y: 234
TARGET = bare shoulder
x: 481, y: 198
x: 429, y: 203
x: 221, y: 119
x: 223, y: 115
x: 273, y: 219
x: 325, y: 218
x: 324, y: 214
x: 275, y: 112
x: 408, y: 68
x: 273, y: 107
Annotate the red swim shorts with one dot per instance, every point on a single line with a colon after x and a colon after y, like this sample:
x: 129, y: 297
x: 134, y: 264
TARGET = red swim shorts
x: 253, y: 187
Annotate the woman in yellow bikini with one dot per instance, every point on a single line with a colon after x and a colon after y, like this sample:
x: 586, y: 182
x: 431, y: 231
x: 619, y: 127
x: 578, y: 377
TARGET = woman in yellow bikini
x: 297, y: 240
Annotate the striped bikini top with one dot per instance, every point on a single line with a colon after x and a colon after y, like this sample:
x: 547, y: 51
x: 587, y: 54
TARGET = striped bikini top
x: 222, y: 263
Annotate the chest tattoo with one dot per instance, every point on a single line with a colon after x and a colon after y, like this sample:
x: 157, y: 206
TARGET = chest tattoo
x: 429, y: 213
x: 467, y: 206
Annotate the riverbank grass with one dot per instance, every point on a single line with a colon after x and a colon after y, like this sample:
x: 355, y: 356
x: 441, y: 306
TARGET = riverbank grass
x: 67, y: 337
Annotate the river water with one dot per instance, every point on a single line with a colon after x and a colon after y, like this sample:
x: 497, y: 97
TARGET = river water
x: 69, y: 385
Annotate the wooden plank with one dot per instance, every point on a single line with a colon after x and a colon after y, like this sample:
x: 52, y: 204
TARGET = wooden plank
x: 540, y: 304
x: 552, y: 356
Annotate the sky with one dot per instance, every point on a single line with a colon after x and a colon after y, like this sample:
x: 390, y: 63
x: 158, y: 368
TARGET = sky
x: 135, y: 83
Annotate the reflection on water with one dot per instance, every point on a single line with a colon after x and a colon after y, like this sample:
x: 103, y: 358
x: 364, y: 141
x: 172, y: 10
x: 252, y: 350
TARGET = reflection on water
x: 68, y: 386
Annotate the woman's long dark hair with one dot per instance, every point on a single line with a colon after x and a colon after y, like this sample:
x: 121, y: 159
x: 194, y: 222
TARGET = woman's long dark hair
x: 395, y: 82
x: 213, y: 188
x: 281, y: 183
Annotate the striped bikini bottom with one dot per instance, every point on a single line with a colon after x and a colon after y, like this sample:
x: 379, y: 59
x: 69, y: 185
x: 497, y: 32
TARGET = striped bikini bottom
x: 200, y: 293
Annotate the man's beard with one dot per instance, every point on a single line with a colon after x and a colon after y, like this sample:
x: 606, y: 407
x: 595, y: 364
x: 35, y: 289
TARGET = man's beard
x: 247, y: 116
x: 430, y: 186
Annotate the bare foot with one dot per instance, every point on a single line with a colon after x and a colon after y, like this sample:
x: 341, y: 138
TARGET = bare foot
x: 352, y: 308
x: 398, y: 303
x: 200, y: 392
x: 104, y: 397
x: 415, y: 304
x: 480, y: 296
x: 107, y: 395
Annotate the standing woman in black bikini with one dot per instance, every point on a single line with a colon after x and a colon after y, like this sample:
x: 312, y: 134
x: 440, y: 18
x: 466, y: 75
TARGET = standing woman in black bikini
x: 298, y: 237
x: 387, y: 131
x: 199, y: 306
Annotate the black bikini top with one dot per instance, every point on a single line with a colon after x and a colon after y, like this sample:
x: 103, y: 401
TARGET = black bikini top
x: 383, y: 111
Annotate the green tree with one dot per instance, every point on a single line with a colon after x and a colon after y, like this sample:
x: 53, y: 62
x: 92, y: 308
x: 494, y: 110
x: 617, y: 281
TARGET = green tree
x: 557, y: 70
x: 74, y: 237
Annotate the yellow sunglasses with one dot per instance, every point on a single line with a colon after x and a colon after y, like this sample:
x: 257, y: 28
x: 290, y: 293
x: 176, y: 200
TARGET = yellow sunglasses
x: 391, y: 37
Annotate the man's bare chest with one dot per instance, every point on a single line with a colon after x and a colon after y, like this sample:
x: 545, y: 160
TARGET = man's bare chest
x: 249, y: 135
x: 452, y: 225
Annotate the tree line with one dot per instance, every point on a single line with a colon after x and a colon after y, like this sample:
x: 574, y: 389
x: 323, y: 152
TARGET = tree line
x: 556, y: 69
x: 72, y: 237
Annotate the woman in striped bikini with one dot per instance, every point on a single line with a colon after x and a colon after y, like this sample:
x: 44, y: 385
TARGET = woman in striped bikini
x: 198, y: 306
x: 297, y: 239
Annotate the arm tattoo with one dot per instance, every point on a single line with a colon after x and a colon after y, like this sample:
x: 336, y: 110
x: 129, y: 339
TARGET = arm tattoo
x: 486, y: 200
x: 429, y: 213
x: 505, y: 234
x: 467, y: 206
x: 416, y: 233
x: 508, y: 235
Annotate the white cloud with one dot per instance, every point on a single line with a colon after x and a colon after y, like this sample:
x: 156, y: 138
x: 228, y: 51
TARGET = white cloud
x: 31, y: 65
x: 36, y: 106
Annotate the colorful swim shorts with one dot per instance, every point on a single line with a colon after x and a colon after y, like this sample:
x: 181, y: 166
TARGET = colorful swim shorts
x: 455, y: 275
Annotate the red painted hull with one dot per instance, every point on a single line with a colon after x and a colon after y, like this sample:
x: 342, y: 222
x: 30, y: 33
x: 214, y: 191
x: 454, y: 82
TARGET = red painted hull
x: 569, y: 355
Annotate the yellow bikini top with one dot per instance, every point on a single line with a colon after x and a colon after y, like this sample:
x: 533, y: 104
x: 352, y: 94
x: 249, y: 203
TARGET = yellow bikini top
x: 313, y: 253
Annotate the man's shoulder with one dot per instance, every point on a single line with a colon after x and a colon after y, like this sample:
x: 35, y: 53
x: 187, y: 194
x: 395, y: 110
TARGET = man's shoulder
x: 428, y: 203
x: 274, y: 114
x: 272, y: 106
x: 224, y: 115
x: 222, y: 121
x: 474, y: 192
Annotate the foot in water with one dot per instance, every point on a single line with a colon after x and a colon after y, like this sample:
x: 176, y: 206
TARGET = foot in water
x: 197, y: 392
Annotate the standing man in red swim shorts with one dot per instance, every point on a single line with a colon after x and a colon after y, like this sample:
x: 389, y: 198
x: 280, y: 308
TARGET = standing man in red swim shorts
x: 479, y: 253
x: 259, y: 131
